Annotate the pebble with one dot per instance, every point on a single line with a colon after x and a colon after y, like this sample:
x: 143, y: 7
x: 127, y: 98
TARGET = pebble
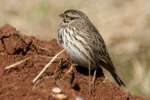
x: 60, y: 96
x: 56, y: 90
x: 79, y: 98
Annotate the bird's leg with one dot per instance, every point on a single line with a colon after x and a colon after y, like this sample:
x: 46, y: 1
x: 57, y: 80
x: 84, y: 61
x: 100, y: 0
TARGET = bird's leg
x: 67, y: 81
x: 92, y: 83
x: 59, y: 70
x: 69, y: 75
x: 94, y: 76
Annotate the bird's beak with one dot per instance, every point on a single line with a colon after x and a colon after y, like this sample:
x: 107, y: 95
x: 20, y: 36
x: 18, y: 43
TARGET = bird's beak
x: 61, y: 15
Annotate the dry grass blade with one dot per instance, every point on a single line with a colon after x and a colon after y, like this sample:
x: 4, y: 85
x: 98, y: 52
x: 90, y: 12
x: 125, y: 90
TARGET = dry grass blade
x: 17, y: 63
x: 47, y: 57
x: 47, y: 65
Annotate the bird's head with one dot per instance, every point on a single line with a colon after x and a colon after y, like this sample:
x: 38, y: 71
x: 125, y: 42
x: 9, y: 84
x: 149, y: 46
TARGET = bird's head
x: 71, y: 15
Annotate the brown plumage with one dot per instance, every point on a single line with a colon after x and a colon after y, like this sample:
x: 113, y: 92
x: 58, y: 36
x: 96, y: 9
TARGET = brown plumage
x: 83, y: 42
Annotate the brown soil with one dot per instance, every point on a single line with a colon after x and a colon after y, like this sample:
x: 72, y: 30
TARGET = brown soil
x: 16, y: 83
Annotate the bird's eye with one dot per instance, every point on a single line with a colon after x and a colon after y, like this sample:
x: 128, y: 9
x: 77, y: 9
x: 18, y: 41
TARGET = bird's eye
x: 66, y: 16
x: 69, y: 17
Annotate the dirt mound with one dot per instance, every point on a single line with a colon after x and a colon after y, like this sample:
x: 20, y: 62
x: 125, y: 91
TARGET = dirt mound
x: 16, y: 83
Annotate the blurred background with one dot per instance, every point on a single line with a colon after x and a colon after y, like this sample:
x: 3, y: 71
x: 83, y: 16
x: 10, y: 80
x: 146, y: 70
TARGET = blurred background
x: 124, y: 25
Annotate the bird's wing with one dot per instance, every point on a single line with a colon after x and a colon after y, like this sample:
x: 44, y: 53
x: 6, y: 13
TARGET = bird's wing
x: 95, y: 41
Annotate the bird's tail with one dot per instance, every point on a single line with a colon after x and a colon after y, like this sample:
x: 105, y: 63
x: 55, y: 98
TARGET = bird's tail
x: 110, y: 67
x: 118, y: 79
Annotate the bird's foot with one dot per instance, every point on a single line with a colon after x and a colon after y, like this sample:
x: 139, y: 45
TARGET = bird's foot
x: 104, y: 80
x: 67, y: 80
x: 58, y: 73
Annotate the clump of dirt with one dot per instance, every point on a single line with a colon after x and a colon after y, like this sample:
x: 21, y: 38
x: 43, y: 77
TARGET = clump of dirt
x: 16, y: 83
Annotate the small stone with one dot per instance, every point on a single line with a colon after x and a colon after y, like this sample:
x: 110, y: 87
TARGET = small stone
x: 60, y: 96
x: 56, y: 90
x: 79, y: 98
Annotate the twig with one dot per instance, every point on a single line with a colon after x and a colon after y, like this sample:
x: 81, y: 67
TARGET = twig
x: 47, y: 65
x: 17, y: 63
x: 48, y: 57
x: 45, y: 49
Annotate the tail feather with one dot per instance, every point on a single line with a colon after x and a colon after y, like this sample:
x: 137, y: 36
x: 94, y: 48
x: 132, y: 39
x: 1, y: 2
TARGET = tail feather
x: 108, y: 65
x: 118, y: 79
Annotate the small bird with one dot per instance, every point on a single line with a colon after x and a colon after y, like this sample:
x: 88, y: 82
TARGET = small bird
x: 82, y: 41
